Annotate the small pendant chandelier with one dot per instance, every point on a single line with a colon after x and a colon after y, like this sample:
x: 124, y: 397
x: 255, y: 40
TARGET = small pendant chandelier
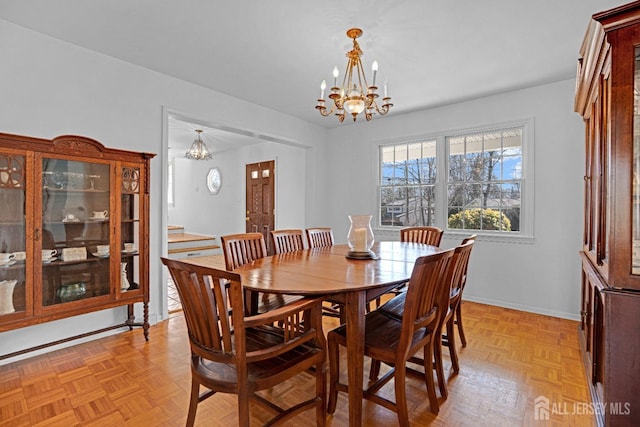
x: 198, y: 150
x: 355, y: 96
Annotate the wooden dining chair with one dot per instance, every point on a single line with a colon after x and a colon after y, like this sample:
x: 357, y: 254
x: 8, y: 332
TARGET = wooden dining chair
x: 458, y: 314
x: 397, y: 306
x: 239, y: 354
x: 243, y: 248
x: 395, y: 341
x: 427, y: 235
x: 287, y: 241
x: 319, y: 237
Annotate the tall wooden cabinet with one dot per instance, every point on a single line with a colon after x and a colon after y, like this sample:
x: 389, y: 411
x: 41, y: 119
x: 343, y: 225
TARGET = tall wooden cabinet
x: 608, y: 98
x: 74, y: 230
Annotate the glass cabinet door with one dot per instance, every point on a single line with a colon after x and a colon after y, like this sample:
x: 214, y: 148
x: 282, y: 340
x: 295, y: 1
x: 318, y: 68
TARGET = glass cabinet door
x: 130, y: 230
x: 75, y: 242
x: 13, y: 182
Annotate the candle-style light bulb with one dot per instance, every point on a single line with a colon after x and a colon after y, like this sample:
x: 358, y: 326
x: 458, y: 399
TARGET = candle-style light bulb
x: 374, y: 68
x: 386, y: 89
x: 336, y: 73
x: 323, y: 86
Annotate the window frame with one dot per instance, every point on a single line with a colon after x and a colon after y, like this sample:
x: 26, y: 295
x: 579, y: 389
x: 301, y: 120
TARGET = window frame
x: 526, y: 233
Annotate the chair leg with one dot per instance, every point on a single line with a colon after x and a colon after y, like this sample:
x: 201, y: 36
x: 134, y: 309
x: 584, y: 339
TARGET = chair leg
x: 321, y: 393
x: 334, y: 371
x: 437, y: 364
x: 374, y: 370
x: 243, y: 406
x: 458, y: 316
x: 193, y: 402
x: 451, y: 341
x: 401, y: 397
x: 428, y: 375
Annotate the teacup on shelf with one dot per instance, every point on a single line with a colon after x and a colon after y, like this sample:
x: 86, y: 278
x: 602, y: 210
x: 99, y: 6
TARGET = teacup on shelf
x: 102, y: 249
x: 6, y: 257
x: 19, y: 256
x: 100, y: 214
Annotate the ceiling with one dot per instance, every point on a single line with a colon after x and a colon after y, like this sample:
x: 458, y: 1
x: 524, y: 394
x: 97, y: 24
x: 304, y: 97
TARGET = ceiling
x: 276, y: 53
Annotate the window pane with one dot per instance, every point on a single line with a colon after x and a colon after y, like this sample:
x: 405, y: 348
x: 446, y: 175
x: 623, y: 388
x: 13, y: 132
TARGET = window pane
x: 456, y: 168
x: 488, y: 166
x: 407, y: 175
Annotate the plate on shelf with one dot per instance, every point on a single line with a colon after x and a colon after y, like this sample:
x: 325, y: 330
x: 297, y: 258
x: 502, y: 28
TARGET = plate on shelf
x: 7, y: 264
x: 48, y: 260
x: 124, y: 251
x: 96, y: 254
x: 104, y: 218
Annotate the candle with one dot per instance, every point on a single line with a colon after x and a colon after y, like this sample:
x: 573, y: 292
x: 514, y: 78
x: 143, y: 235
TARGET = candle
x: 335, y: 76
x: 374, y: 68
x: 360, y: 240
x: 385, y: 89
x: 323, y: 86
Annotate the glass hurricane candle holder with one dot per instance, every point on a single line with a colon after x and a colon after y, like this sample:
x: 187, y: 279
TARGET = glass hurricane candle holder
x: 360, y: 237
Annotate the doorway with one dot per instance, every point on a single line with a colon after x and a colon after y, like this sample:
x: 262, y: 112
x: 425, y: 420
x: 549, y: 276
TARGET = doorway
x: 202, y: 212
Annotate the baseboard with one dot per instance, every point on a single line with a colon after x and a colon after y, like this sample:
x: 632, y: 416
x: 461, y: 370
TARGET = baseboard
x: 520, y: 307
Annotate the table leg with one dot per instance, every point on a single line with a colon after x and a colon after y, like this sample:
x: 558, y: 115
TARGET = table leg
x: 355, y: 312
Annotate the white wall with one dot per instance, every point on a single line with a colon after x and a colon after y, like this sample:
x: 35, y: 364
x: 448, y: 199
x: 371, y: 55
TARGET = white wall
x: 543, y: 276
x: 50, y: 88
x: 224, y: 213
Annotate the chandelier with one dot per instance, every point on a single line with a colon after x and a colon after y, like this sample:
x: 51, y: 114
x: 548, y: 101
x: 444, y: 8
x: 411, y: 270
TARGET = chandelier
x: 198, y: 150
x: 355, y: 96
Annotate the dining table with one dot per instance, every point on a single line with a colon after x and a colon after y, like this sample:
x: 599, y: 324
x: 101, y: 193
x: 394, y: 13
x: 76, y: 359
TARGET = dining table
x: 328, y: 273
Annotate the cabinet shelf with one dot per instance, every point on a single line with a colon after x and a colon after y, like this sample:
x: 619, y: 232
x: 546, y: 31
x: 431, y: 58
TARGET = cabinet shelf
x: 69, y: 191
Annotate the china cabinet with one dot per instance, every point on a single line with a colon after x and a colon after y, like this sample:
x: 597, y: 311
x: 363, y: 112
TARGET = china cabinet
x: 74, y: 228
x: 607, y: 97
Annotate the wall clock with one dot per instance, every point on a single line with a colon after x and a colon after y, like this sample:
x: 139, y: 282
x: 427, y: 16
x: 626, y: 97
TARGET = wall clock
x: 213, y: 181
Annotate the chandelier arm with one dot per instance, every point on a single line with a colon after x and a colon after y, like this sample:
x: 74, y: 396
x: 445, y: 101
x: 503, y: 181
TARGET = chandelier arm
x: 323, y: 110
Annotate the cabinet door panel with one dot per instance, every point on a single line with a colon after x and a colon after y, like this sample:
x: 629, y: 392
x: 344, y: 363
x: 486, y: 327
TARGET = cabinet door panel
x: 74, y: 251
x: 13, y: 235
x: 130, y: 230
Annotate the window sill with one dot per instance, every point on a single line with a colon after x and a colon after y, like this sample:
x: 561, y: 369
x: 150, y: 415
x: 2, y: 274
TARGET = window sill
x: 393, y: 233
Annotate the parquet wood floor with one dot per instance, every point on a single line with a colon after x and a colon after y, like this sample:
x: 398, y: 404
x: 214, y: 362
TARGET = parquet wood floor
x: 512, y: 357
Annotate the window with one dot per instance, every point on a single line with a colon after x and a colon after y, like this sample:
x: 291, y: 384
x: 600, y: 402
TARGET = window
x: 461, y: 181
x: 407, y: 183
x: 485, y: 180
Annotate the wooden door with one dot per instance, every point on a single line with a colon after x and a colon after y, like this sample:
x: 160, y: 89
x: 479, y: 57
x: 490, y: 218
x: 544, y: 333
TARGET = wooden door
x: 260, y: 181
